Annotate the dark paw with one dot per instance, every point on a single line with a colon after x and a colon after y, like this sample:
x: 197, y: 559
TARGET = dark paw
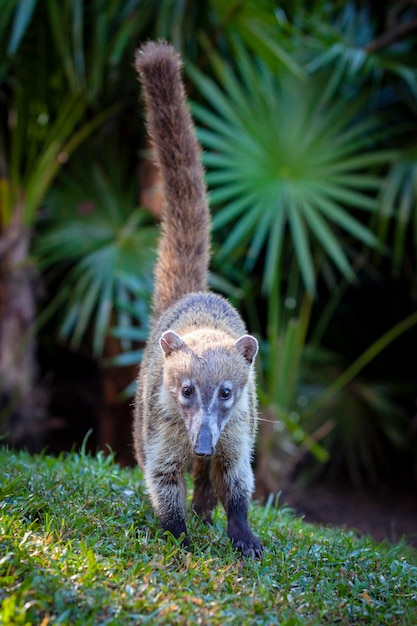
x: 249, y: 547
x: 242, y: 537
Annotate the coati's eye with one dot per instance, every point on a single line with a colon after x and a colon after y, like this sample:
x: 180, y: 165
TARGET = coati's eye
x: 187, y: 391
x: 225, y: 393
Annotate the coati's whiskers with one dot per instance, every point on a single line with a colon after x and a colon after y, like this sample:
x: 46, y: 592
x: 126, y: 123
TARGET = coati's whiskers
x: 263, y: 419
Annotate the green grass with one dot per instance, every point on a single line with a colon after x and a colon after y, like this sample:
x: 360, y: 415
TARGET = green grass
x: 79, y: 544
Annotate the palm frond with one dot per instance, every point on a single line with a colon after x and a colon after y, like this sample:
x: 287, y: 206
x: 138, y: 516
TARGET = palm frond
x: 101, y: 245
x: 255, y: 23
x: 23, y: 11
x: 397, y: 206
x: 280, y: 159
x: 343, y: 42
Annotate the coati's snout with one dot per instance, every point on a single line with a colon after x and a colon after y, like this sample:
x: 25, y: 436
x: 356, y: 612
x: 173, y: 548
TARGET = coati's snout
x: 203, y: 445
x: 206, y: 382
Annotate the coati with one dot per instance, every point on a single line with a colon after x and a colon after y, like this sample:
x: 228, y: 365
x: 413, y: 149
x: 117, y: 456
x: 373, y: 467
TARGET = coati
x: 195, y: 403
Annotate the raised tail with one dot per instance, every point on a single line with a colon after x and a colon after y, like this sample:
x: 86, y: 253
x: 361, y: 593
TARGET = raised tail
x: 183, y: 252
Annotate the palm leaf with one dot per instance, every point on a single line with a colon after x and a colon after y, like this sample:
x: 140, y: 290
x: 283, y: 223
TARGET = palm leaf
x: 23, y: 15
x: 301, y: 246
x: 101, y: 248
x: 328, y: 240
x: 255, y: 23
x: 340, y: 43
x: 273, y: 251
x: 397, y: 206
x: 278, y: 154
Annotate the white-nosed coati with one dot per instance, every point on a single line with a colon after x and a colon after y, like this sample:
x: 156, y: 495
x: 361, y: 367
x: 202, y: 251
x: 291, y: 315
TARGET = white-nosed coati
x: 196, y: 399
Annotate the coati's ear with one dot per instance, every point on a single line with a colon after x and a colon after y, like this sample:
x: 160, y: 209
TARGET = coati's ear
x: 170, y: 341
x: 247, y: 346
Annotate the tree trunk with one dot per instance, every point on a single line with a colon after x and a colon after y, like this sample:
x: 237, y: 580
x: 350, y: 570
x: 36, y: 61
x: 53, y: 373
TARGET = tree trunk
x: 20, y: 400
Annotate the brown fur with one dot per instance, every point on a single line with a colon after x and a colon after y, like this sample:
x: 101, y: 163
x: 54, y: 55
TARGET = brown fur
x: 183, y: 253
x: 196, y: 398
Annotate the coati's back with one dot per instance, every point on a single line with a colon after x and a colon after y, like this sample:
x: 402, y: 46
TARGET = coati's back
x: 196, y: 399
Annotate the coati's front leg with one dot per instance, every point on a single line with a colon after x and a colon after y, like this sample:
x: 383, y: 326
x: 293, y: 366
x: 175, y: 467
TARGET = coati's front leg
x: 234, y: 485
x: 167, y: 491
x: 238, y: 528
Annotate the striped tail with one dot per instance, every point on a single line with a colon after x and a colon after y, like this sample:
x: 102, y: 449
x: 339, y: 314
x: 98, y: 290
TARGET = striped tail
x: 184, y: 247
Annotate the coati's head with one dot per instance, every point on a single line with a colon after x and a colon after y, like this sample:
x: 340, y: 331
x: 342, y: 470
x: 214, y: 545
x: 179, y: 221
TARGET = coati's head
x: 206, y: 373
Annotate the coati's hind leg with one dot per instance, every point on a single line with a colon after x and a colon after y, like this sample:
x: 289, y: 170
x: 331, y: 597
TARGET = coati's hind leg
x: 204, y: 498
x: 234, y: 485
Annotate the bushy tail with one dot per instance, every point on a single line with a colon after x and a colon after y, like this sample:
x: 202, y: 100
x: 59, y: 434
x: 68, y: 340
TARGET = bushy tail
x: 183, y: 253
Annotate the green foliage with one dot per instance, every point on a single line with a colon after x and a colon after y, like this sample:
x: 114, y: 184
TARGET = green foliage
x: 397, y: 216
x: 283, y: 161
x: 95, y: 39
x: 100, y: 245
x: 81, y: 545
x: 22, y: 17
x: 261, y: 28
x: 297, y: 171
x: 345, y: 39
x: 65, y: 59
x: 362, y: 425
x: 289, y: 167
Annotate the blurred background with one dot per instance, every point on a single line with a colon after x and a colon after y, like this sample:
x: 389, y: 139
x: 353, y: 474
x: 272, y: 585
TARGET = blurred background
x: 307, y: 113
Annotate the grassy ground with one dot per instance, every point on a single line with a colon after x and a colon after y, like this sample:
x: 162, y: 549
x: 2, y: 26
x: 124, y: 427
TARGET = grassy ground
x: 79, y: 544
